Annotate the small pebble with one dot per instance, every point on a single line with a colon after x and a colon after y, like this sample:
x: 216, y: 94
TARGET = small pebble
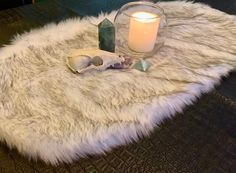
x: 97, y: 61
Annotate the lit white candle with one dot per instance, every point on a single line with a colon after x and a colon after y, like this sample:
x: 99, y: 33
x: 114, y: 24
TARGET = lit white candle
x: 143, y: 31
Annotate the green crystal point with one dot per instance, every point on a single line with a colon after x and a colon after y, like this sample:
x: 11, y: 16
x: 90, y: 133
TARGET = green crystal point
x: 106, y: 35
x: 141, y: 65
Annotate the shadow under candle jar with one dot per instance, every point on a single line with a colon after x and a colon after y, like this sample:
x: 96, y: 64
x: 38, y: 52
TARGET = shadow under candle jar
x: 140, y: 28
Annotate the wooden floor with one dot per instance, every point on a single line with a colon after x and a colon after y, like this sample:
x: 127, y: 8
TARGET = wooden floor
x: 201, y: 140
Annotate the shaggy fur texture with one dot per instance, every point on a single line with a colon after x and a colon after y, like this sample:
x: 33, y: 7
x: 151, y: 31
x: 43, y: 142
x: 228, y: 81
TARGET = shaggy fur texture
x: 48, y: 112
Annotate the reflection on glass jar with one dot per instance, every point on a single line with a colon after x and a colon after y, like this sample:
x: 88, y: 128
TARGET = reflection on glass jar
x: 140, y: 29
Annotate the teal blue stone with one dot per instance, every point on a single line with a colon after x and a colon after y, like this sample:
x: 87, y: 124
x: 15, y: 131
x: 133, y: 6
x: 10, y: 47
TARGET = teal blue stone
x: 141, y: 65
x: 106, y: 35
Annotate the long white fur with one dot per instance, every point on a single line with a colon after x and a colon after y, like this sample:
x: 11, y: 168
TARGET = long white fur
x: 49, y: 113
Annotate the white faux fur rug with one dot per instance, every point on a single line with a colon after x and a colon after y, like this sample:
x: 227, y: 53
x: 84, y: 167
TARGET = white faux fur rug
x: 48, y: 112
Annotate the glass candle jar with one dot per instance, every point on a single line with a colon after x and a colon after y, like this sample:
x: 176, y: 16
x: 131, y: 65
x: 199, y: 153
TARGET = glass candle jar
x: 140, y: 27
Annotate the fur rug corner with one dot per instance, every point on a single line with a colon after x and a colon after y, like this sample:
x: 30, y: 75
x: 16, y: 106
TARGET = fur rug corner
x: 48, y: 112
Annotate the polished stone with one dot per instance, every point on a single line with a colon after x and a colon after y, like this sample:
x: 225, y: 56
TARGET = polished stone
x: 141, y: 65
x: 106, y: 35
x: 97, y: 61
